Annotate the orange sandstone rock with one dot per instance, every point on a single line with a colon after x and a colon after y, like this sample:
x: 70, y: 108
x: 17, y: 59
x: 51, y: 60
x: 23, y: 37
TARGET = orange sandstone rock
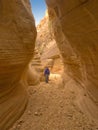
x: 17, y: 37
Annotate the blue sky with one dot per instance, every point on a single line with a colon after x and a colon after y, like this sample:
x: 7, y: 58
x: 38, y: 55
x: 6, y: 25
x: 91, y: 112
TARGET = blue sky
x: 38, y: 9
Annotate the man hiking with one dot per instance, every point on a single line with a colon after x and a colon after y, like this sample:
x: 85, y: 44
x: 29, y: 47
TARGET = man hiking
x: 46, y: 74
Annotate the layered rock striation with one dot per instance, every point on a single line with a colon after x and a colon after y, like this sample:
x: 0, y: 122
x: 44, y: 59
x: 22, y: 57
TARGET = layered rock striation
x: 17, y: 37
x: 46, y: 44
x: 75, y: 25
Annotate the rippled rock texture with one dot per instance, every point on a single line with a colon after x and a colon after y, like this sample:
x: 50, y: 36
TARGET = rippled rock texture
x: 17, y: 37
x: 75, y: 24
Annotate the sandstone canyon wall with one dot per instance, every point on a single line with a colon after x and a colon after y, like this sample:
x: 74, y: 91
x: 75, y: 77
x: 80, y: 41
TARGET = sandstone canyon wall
x: 46, y: 44
x: 17, y: 37
x: 75, y: 25
x: 35, y: 68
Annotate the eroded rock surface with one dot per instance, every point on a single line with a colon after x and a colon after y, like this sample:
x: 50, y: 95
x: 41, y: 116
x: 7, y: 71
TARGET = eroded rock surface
x: 35, y: 70
x: 46, y: 44
x: 75, y: 25
x: 17, y: 37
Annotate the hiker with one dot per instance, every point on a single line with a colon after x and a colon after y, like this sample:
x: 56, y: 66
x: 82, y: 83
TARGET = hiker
x: 46, y: 74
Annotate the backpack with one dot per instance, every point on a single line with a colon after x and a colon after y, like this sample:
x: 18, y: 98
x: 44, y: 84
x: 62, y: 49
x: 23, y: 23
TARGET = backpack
x: 47, y: 71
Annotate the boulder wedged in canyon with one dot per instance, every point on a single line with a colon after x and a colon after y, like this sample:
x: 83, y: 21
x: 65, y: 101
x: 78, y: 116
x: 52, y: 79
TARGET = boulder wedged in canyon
x: 75, y: 30
x: 17, y: 37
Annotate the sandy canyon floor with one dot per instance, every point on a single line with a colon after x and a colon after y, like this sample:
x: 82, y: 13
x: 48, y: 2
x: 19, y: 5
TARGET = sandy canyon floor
x: 53, y: 107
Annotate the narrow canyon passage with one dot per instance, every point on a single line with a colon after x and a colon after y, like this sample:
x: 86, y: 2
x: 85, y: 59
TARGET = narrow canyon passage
x: 65, y: 41
x: 52, y: 107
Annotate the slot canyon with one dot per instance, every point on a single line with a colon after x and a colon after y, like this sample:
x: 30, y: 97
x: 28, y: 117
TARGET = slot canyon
x: 65, y: 40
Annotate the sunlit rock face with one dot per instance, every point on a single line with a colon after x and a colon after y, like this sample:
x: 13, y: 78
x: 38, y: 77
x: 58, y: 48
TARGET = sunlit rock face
x: 46, y: 44
x: 17, y: 37
x: 31, y: 77
x: 35, y: 70
x: 75, y: 25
